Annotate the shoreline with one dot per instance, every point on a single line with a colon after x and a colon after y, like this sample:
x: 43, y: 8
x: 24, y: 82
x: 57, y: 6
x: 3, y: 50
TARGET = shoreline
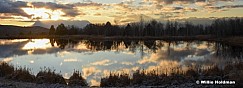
x: 235, y: 41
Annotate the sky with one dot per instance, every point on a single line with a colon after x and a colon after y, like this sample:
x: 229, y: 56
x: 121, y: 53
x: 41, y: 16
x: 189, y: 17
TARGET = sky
x: 25, y: 12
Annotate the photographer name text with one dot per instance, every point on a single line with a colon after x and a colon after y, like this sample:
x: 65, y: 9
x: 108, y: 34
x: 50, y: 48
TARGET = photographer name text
x: 217, y: 82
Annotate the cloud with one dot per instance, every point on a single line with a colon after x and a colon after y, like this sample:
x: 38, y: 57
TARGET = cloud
x: 51, y: 5
x: 127, y: 63
x: 225, y: 7
x: 184, y: 1
x: 7, y: 60
x: 102, y: 62
x: 97, y: 14
x: 128, y: 1
x: 89, y: 71
x: 13, y: 8
x: 180, y: 56
x: 92, y: 4
x: 123, y: 12
x: 106, y: 72
x: 183, y: 57
x: 176, y: 53
x: 171, y: 1
x: 95, y: 82
x: 200, y: 0
x: 8, y: 48
x: 123, y: 19
x: 217, y: 9
x: 71, y: 60
x: 6, y: 17
x: 163, y: 65
x: 135, y: 68
x: 68, y: 9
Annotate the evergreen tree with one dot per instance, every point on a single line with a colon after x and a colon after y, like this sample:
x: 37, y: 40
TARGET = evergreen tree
x: 61, y: 30
x: 127, y: 31
x: 52, y: 30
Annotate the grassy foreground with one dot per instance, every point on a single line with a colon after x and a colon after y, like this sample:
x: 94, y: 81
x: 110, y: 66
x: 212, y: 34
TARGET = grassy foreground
x: 177, y: 77
x: 45, y: 76
x: 141, y: 78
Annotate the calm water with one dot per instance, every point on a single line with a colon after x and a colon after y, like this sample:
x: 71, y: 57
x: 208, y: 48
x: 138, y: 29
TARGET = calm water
x: 96, y: 59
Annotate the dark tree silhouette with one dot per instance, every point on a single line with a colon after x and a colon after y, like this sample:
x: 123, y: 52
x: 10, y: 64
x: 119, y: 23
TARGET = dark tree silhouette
x: 127, y: 31
x: 52, y: 30
x: 61, y: 30
x: 222, y: 27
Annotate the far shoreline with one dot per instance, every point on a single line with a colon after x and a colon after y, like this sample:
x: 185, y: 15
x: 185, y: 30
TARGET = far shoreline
x: 235, y: 41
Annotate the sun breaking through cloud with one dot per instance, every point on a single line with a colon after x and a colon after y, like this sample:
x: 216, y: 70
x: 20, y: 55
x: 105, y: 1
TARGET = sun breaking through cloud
x: 117, y: 12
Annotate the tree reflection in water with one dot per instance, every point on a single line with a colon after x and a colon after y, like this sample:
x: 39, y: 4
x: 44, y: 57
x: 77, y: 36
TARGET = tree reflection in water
x: 221, y: 49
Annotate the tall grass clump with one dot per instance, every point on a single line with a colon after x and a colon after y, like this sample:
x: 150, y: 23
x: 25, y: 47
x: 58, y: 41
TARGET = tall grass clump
x: 22, y: 74
x: 49, y: 76
x: 77, y: 80
x: 115, y: 80
x: 5, y: 69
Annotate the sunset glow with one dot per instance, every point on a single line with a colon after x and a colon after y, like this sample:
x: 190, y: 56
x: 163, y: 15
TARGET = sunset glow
x: 118, y: 11
x: 121, y: 43
x: 42, y: 13
x: 37, y: 44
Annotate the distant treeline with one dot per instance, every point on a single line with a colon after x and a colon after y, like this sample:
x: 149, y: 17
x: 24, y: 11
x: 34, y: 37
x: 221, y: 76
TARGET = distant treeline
x: 222, y: 27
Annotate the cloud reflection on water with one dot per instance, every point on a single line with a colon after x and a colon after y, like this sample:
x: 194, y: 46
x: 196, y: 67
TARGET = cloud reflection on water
x: 98, y: 58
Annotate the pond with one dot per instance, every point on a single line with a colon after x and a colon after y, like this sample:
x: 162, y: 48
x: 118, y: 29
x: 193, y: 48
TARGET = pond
x: 96, y: 59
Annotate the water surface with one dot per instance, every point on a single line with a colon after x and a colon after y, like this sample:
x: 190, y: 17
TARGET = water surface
x: 96, y: 59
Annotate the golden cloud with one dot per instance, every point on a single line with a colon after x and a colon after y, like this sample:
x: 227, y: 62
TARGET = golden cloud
x: 102, y: 62
x: 89, y: 71
x: 7, y: 60
x: 95, y: 82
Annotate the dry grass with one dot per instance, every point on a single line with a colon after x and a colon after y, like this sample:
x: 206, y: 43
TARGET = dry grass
x: 77, y: 80
x: 232, y: 71
x: 22, y: 74
x: 5, y: 69
x: 46, y: 75
x: 115, y: 80
x: 178, y: 76
x: 49, y: 76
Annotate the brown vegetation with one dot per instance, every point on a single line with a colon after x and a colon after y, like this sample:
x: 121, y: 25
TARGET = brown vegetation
x: 115, y: 80
x: 77, y: 80
x: 22, y: 74
x: 177, y: 76
x: 44, y: 76
x: 232, y: 71
x: 5, y: 69
x: 49, y: 76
